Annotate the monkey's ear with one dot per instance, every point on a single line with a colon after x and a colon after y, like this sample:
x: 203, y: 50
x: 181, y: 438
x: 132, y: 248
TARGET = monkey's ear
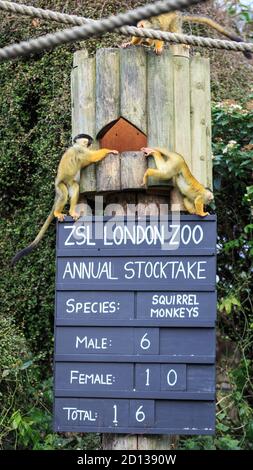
x: 90, y: 141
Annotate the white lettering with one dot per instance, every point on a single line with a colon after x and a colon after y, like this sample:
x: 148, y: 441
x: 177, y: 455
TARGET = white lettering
x: 89, y: 270
x: 85, y: 379
x: 73, y: 306
x: 82, y: 415
x: 165, y: 270
x: 174, y: 312
x: 92, y: 343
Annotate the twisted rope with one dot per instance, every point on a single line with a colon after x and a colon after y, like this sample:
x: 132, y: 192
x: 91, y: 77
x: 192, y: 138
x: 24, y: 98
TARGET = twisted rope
x: 191, y: 40
x: 93, y: 28
x: 20, y: 9
x: 138, y: 14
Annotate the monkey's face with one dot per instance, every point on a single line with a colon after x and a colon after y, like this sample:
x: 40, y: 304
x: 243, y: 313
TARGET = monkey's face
x: 209, y: 197
x: 83, y: 142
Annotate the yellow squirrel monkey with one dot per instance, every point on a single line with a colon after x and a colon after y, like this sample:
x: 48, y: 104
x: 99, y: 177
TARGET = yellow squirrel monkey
x: 76, y: 157
x: 172, y: 165
x: 173, y: 22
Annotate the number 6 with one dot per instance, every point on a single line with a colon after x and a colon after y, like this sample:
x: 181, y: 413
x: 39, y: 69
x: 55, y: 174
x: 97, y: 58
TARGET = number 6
x: 145, y: 343
x: 140, y: 415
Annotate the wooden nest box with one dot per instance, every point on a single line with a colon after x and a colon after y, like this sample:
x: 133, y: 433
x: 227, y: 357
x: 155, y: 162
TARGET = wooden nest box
x: 130, y: 98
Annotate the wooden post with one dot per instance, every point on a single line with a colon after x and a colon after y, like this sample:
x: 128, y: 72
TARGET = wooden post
x: 133, y: 95
x: 83, y: 108
x: 160, y: 101
x: 168, y: 99
x: 198, y: 118
x: 182, y: 113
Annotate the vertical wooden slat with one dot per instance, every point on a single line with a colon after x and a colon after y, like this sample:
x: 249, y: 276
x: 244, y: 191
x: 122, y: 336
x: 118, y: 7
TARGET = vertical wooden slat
x: 154, y: 442
x: 160, y: 100
x: 120, y: 203
x: 119, y: 442
x: 182, y: 106
x: 83, y: 94
x: 80, y: 113
x: 107, y: 110
x: 160, y: 106
x: 182, y: 122
x: 133, y: 167
x: 108, y: 173
x: 198, y: 119
x: 83, y: 108
x: 133, y: 87
x: 152, y: 204
x: 107, y: 87
x: 209, y: 162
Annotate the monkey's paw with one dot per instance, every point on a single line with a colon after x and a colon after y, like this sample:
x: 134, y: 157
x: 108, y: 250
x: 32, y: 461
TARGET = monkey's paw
x: 158, y: 51
x: 74, y: 215
x: 114, y: 152
x: 124, y: 45
x: 144, y: 185
x: 204, y: 214
x: 59, y: 216
x: 147, y: 151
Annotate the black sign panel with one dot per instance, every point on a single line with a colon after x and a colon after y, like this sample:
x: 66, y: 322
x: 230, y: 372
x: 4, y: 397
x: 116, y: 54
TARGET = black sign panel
x: 134, y: 325
x: 155, y: 308
x: 120, y: 416
x: 95, y: 236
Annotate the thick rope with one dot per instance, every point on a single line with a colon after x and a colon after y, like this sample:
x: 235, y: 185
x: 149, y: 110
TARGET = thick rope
x: 191, y: 40
x: 93, y: 28
x: 98, y: 27
x: 20, y: 9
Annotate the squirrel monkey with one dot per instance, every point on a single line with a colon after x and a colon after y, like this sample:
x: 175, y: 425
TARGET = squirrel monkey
x: 76, y: 157
x: 173, y: 22
x: 172, y: 165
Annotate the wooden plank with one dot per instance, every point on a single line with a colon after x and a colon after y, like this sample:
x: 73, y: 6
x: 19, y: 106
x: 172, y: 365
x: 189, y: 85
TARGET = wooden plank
x: 182, y: 120
x: 108, y: 173
x: 120, y: 204
x: 107, y: 110
x: 152, y: 205
x: 74, y: 102
x: 83, y: 108
x: 83, y: 94
x: 182, y: 107
x: 133, y: 167
x: 133, y: 87
x: 160, y: 105
x: 182, y: 50
x: 119, y: 442
x: 155, y: 442
x: 138, y: 442
x: 79, y: 56
x: 107, y: 87
x: 160, y: 100
x: 209, y: 161
x: 198, y: 119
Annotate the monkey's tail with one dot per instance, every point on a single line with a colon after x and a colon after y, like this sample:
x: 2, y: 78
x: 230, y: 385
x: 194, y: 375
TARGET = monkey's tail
x: 217, y: 27
x: 35, y: 242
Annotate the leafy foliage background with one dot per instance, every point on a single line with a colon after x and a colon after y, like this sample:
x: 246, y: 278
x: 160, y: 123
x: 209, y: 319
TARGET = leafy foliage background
x: 35, y: 125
